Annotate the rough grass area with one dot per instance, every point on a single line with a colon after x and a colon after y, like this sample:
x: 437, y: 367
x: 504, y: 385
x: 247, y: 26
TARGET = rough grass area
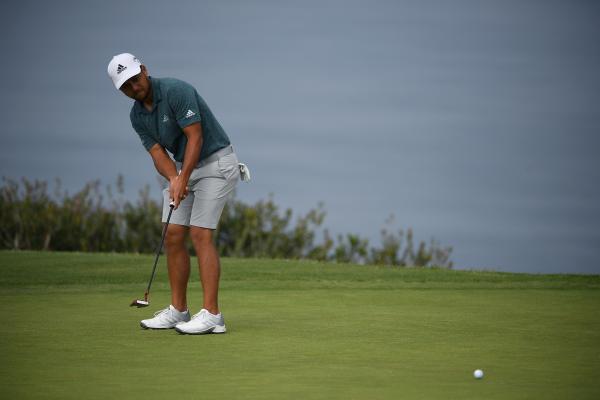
x: 297, y: 330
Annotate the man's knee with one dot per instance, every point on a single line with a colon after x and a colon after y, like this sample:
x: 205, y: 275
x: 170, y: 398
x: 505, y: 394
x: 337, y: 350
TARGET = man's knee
x: 175, y: 236
x: 201, y: 236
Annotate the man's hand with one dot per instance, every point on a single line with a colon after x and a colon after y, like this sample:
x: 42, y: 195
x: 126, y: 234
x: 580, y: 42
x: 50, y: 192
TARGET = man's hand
x: 178, y: 189
x: 178, y: 185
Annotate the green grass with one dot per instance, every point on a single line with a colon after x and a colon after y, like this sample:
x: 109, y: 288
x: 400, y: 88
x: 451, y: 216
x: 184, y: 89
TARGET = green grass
x: 297, y: 330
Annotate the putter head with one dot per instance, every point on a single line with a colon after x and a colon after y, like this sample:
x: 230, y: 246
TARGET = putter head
x: 139, y: 303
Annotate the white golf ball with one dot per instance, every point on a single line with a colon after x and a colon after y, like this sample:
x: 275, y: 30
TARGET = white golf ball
x: 478, y: 374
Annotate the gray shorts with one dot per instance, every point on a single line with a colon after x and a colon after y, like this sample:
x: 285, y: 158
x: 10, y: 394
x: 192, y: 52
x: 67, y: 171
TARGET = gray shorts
x: 209, y: 188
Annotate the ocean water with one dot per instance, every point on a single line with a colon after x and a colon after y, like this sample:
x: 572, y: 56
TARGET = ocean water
x: 475, y: 123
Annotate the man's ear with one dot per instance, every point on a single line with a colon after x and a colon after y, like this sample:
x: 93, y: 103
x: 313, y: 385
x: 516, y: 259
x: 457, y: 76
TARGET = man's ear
x: 144, y: 69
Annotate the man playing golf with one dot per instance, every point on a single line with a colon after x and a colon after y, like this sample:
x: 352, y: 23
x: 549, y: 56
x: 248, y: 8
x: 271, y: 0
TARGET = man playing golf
x: 169, y: 115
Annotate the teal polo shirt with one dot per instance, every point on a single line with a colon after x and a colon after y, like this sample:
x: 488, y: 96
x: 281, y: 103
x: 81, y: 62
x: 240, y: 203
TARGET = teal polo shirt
x: 176, y: 104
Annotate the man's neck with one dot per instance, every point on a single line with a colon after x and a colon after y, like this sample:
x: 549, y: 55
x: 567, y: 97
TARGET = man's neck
x: 147, y: 102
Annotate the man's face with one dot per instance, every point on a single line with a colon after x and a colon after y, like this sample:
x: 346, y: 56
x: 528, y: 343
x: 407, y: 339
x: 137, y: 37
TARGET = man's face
x: 138, y: 86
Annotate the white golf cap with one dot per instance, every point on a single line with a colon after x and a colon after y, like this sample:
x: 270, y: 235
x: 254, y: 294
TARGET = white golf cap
x: 122, y: 67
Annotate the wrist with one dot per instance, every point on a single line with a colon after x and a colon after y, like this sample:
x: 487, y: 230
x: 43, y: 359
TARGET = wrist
x: 184, y: 175
x: 180, y: 179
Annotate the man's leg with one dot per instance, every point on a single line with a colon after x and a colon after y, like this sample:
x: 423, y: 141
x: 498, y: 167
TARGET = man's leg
x: 210, y: 268
x: 178, y: 262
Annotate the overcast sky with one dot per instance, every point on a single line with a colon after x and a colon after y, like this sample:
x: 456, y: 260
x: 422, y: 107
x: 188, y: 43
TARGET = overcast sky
x: 474, y: 122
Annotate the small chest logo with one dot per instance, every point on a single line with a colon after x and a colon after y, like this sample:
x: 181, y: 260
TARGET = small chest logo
x: 165, y: 118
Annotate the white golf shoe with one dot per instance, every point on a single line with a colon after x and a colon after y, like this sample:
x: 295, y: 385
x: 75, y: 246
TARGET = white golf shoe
x: 202, y: 323
x: 166, y: 319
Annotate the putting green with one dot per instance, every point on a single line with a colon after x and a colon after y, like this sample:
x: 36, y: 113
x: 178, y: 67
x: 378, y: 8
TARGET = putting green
x: 297, y: 330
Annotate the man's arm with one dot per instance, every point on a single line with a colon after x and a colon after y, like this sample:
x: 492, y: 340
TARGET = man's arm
x: 191, y: 157
x: 162, y: 162
x: 166, y: 167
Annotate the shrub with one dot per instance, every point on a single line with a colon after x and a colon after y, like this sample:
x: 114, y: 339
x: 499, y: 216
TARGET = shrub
x: 30, y: 218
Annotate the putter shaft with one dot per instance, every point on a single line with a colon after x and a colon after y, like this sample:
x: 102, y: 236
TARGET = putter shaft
x: 145, y: 302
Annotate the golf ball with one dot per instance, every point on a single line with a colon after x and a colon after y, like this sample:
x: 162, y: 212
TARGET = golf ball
x: 478, y: 374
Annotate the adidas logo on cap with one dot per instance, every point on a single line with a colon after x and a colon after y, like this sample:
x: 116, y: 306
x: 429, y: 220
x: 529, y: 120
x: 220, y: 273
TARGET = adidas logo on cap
x: 121, y: 68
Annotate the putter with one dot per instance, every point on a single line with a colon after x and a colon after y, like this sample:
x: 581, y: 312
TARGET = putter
x: 144, y: 303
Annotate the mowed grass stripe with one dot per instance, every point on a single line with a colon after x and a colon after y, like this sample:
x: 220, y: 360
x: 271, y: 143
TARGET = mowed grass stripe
x: 53, y: 269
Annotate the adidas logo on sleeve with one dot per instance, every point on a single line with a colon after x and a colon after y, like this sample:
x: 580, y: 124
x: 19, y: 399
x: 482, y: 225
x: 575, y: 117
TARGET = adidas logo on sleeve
x: 190, y: 114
